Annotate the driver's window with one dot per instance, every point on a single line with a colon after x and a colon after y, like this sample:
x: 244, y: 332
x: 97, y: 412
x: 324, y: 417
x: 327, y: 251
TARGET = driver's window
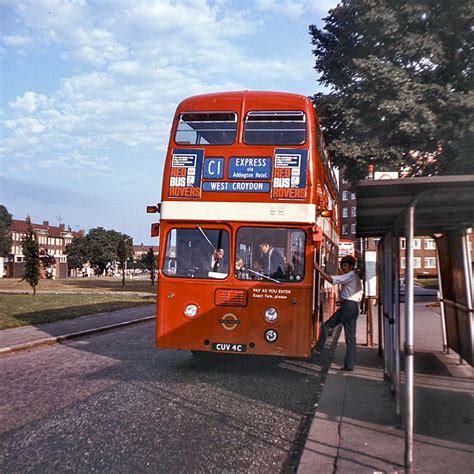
x: 197, y: 253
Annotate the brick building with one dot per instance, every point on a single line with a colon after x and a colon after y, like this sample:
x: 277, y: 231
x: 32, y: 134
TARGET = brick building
x: 52, y: 242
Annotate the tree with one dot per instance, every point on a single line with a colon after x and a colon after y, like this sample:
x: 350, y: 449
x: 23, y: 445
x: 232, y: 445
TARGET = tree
x: 5, y: 238
x: 31, y: 253
x: 102, y: 248
x: 77, y: 252
x: 124, y: 253
x: 400, y: 80
x: 149, y: 260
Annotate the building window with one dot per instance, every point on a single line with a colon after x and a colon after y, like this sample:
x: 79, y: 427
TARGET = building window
x: 353, y: 228
x: 417, y: 244
x: 353, y: 195
x: 430, y: 244
x: 430, y: 262
x: 345, y: 195
x: 353, y: 211
x: 345, y: 229
x: 345, y: 212
x: 416, y: 262
x: 403, y: 243
x: 376, y: 242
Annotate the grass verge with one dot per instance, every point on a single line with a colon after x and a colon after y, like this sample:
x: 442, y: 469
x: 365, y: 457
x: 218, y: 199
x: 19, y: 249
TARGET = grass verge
x: 80, y: 285
x: 22, y: 310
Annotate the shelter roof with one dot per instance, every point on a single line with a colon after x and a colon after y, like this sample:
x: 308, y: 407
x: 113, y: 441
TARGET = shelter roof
x: 445, y: 202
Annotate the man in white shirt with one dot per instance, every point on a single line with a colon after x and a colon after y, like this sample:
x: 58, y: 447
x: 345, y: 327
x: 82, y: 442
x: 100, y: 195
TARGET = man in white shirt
x: 351, y: 294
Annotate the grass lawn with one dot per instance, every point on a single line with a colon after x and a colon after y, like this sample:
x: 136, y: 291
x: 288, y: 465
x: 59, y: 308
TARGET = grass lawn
x: 21, y: 310
x: 427, y: 282
x: 80, y: 285
x: 68, y: 298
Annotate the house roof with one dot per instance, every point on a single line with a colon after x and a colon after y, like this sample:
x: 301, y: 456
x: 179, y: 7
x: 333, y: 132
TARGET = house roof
x: 443, y: 202
x: 44, y: 228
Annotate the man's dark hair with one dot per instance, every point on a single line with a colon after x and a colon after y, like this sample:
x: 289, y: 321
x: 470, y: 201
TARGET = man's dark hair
x: 348, y: 259
x: 264, y: 241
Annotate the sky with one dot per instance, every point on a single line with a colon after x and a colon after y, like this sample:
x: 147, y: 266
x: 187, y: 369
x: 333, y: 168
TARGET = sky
x: 89, y: 89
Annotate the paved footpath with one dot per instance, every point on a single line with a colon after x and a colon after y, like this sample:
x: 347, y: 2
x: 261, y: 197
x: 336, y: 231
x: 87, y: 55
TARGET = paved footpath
x: 29, y: 337
x: 356, y: 428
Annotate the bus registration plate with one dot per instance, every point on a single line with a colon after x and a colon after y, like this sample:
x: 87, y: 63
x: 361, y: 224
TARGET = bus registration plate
x: 228, y: 347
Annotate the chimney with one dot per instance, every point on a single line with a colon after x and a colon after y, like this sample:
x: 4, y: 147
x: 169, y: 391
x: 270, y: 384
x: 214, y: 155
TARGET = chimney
x: 61, y: 226
x: 46, y: 223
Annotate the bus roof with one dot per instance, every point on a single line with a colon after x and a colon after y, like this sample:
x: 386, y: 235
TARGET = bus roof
x: 262, y: 100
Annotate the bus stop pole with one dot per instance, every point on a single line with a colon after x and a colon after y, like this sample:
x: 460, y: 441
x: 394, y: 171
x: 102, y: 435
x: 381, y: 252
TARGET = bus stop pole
x: 409, y: 340
x: 396, y: 315
x: 441, y: 302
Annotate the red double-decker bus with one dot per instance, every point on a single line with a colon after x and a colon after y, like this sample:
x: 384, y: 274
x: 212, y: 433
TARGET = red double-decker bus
x: 249, y: 203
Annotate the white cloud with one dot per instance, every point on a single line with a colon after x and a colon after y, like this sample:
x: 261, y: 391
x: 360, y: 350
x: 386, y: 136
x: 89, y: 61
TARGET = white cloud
x: 296, y: 9
x: 18, y: 41
x: 29, y: 102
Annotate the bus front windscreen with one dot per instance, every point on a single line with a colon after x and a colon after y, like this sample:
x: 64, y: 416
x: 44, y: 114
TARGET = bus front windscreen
x: 197, y: 253
x: 271, y: 254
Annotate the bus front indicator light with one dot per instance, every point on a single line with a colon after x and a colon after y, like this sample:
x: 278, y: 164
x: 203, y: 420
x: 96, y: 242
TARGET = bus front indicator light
x: 271, y: 314
x: 271, y: 335
x: 191, y: 310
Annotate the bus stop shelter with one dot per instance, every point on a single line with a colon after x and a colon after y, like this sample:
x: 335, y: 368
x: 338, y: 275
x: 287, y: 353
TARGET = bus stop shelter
x: 441, y: 207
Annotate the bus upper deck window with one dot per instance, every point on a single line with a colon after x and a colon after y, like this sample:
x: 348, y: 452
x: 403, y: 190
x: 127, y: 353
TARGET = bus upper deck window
x: 275, y: 128
x: 206, y: 128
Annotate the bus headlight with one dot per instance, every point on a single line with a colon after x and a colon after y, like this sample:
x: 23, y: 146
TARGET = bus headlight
x: 191, y: 310
x: 271, y: 335
x: 271, y: 314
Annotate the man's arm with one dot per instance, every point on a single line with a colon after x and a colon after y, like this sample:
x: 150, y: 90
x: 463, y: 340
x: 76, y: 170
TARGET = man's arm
x: 325, y: 275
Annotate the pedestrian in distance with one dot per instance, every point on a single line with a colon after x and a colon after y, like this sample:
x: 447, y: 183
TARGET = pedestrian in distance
x: 348, y: 312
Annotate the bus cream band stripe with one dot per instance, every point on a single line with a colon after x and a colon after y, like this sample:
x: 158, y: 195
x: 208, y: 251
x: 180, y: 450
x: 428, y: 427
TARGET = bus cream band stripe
x: 246, y: 212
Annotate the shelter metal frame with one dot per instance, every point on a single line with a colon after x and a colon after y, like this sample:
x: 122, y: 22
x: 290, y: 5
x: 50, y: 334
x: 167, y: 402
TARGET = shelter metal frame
x: 416, y: 206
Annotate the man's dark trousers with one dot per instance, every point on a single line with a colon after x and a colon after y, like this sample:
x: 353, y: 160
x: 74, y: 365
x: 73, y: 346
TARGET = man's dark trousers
x: 347, y: 316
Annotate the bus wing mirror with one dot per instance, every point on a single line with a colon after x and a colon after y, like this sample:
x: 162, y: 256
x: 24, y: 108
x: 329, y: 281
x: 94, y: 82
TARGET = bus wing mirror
x: 155, y: 229
x: 153, y: 209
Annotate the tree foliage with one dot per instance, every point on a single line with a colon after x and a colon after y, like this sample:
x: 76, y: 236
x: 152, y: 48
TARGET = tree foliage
x: 124, y: 253
x: 31, y: 252
x: 5, y: 238
x: 149, y: 261
x: 77, y: 252
x: 101, y: 248
x: 399, y: 74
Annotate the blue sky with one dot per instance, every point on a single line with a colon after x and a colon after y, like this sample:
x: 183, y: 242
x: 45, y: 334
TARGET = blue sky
x: 89, y: 88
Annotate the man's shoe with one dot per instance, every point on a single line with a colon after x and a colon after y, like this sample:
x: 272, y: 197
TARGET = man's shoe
x: 346, y: 369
